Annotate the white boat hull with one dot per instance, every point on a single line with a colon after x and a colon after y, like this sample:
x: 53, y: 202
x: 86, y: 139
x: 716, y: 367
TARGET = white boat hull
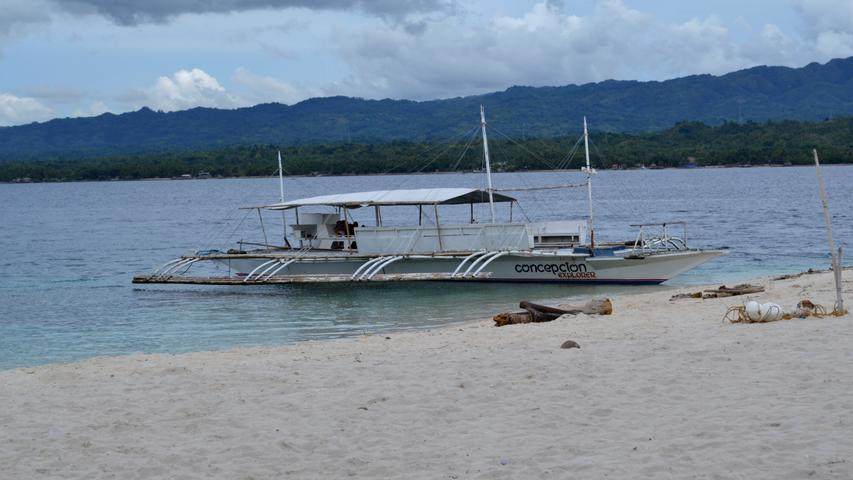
x: 510, y: 267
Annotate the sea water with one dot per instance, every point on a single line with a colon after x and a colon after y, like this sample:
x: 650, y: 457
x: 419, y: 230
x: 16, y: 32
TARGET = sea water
x: 69, y: 251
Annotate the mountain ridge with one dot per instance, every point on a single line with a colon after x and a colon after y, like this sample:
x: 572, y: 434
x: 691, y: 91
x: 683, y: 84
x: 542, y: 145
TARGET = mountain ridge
x: 812, y: 92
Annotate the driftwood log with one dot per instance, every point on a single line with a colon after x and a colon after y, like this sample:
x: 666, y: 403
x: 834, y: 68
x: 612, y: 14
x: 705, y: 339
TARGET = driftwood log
x: 725, y: 291
x: 534, y: 313
x: 722, y: 291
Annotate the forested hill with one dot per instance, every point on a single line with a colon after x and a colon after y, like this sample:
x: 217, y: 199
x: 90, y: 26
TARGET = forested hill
x: 685, y: 144
x: 813, y: 92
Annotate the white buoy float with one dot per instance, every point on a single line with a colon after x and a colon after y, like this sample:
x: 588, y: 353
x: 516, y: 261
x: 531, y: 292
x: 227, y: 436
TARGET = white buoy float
x: 753, y: 311
x: 770, y: 312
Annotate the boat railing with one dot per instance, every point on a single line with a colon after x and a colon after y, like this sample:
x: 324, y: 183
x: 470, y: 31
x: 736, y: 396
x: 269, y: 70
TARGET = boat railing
x: 656, y: 238
x: 406, y: 240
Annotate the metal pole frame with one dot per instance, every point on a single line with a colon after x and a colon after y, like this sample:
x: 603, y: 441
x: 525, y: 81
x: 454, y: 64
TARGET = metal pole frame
x: 347, y: 234
x: 438, y: 227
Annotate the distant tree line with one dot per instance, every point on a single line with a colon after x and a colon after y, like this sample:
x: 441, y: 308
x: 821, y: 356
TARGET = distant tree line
x: 777, y: 143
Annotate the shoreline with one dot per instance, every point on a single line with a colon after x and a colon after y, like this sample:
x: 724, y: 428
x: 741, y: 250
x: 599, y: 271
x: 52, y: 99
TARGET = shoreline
x: 659, y: 388
x: 381, y: 174
x: 671, y: 290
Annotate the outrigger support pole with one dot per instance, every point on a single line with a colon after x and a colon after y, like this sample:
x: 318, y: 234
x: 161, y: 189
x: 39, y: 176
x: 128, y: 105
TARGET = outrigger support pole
x: 836, y: 254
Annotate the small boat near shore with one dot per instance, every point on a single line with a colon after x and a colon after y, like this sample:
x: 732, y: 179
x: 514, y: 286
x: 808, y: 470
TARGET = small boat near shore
x: 331, y: 247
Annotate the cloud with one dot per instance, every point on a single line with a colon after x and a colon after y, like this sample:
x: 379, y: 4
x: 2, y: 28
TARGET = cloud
x: 196, y: 88
x: 17, y: 13
x: 53, y: 94
x: 17, y: 110
x: 18, y: 16
x: 96, y: 108
x: 417, y: 49
x: 773, y: 46
x: 546, y: 45
x: 826, y: 15
x: 268, y: 89
x: 187, y: 89
x: 829, y: 25
x: 834, y: 44
x: 132, y: 12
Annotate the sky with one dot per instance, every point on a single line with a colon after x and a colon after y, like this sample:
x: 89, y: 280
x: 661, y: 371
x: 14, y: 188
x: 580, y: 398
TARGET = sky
x: 71, y: 58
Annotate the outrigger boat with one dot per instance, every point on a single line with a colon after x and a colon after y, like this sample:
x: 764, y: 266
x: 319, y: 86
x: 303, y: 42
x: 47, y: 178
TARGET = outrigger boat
x: 331, y: 247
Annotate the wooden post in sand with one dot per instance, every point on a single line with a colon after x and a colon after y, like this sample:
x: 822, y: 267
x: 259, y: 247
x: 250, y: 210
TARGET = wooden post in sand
x: 836, y: 254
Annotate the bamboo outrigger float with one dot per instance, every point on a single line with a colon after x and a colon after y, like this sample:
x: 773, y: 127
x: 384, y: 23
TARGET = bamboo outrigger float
x: 334, y: 248
x: 295, y: 279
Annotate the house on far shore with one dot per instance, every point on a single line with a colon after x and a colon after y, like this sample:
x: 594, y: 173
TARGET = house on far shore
x: 690, y: 163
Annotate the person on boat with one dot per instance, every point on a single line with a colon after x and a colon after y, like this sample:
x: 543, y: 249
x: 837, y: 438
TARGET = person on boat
x: 342, y: 227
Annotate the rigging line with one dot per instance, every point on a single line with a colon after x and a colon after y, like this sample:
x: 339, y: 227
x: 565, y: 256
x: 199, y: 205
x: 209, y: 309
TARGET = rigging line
x: 502, y: 155
x: 547, y: 187
x: 225, y: 242
x: 464, y: 151
x: 216, y: 230
x: 564, y: 162
x: 526, y: 149
x: 206, y: 239
x: 567, y: 160
x: 426, y: 216
x: 546, y: 162
x: 436, y: 157
x: 523, y: 211
x: 428, y: 150
x: 625, y: 191
x: 600, y: 154
x: 209, y: 240
x: 450, y: 144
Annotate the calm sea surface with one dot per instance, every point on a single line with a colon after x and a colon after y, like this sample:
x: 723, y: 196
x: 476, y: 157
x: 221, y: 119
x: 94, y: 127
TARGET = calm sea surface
x: 69, y: 252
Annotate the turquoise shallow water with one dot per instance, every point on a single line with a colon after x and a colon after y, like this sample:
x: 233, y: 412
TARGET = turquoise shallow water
x: 70, y: 250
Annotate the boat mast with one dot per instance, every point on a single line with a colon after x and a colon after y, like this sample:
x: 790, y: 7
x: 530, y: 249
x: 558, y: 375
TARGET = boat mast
x: 589, y: 171
x: 488, y: 165
x: 280, y: 179
x: 281, y: 199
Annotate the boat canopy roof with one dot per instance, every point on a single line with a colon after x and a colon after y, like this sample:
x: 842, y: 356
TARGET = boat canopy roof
x: 421, y: 196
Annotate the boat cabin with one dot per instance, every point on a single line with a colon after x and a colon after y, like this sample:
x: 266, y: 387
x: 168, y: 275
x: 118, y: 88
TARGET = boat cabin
x: 339, y: 231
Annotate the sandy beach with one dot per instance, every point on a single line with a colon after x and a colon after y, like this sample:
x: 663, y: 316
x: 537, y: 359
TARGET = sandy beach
x: 660, y: 389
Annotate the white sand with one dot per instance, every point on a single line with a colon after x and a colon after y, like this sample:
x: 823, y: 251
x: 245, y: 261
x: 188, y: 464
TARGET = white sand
x: 658, y: 390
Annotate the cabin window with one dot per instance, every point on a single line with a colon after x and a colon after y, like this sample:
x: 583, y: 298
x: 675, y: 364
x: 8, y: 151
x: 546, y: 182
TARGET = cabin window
x: 558, y: 239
